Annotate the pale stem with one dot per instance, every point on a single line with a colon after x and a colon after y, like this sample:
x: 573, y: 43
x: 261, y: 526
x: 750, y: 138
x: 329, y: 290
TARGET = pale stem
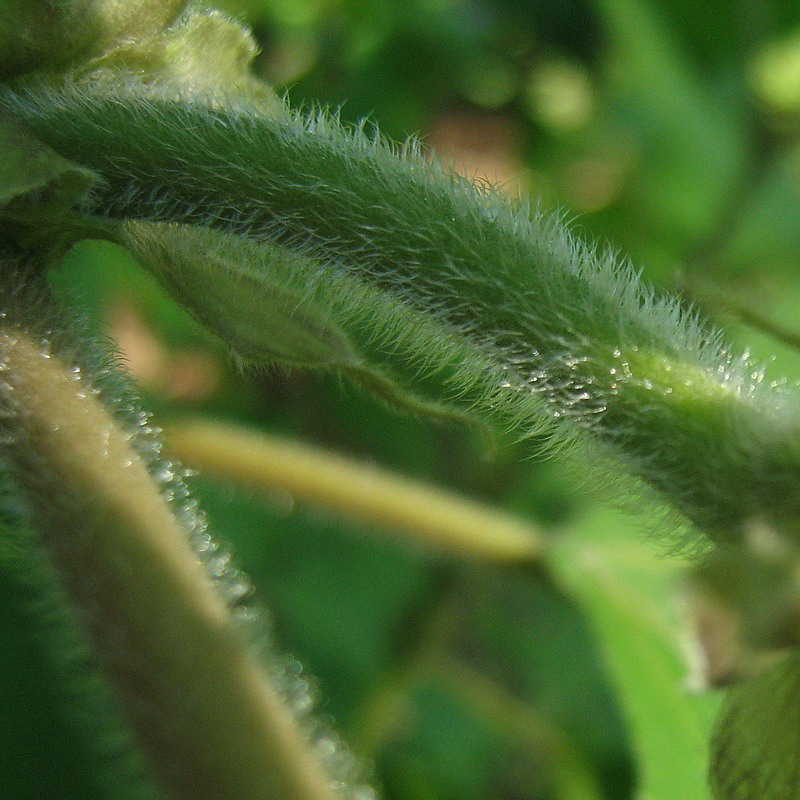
x: 431, y: 516
x: 198, y: 700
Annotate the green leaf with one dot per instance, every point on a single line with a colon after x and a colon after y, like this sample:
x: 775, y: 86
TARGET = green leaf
x: 754, y: 748
x: 36, y: 33
x: 628, y: 593
x: 540, y: 650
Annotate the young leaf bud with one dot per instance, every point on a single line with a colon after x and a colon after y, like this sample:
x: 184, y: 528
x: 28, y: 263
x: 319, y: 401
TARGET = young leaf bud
x: 47, y: 34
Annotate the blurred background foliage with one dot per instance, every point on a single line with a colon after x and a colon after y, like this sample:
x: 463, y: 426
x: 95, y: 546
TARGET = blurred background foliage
x: 669, y: 129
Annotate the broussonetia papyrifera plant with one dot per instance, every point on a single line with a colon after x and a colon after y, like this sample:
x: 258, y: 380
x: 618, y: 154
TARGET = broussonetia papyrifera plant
x: 301, y: 242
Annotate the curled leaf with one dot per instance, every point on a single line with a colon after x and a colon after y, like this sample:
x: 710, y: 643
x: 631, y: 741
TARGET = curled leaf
x: 271, y: 305
x: 38, y: 187
x: 32, y: 174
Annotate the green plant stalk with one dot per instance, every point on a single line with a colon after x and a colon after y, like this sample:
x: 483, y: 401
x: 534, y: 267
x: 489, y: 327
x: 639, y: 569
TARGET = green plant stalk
x: 572, y: 331
x: 201, y: 706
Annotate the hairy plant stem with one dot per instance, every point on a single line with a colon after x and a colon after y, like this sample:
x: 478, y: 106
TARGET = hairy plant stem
x: 197, y: 699
x: 556, y: 337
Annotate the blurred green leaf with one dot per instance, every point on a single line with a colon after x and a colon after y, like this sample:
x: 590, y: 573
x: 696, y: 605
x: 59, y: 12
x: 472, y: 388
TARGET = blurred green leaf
x: 523, y: 632
x: 754, y: 749
x: 629, y: 594
x: 690, y: 133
